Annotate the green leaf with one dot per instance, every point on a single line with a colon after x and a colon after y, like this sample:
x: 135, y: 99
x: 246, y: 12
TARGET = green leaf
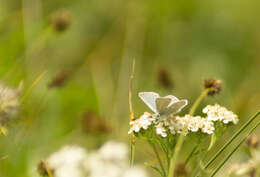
x: 153, y: 167
x: 212, y: 141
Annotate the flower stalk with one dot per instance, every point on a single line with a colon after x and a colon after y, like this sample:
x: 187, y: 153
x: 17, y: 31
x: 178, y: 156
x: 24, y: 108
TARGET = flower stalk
x: 181, y: 137
x: 158, y: 158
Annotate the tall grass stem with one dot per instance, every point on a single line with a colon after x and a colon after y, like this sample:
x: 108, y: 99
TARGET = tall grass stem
x: 131, y: 114
x: 181, y: 137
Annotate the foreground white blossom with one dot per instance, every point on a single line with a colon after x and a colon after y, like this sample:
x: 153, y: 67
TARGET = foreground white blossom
x: 143, y: 122
x: 67, y: 162
x: 219, y: 113
x: 111, y: 160
x: 114, y: 151
x: 135, y: 172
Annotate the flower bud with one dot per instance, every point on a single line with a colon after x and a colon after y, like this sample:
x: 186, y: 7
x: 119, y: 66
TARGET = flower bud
x: 214, y: 86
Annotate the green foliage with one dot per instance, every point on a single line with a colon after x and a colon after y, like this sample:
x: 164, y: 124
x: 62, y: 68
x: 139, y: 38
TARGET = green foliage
x: 190, y: 40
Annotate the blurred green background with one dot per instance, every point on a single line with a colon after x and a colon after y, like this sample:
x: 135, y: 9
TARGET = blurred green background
x: 90, y: 45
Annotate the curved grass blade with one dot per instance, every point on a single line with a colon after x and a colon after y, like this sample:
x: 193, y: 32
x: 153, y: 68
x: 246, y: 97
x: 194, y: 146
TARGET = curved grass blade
x: 234, y: 150
x: 232, y: 139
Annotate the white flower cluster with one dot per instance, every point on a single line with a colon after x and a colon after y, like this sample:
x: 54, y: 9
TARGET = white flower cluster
x: 142, y: 123
x: 194, y: 124
x: 219, y: 113
x: 111, y: 160
x: 176, y: 124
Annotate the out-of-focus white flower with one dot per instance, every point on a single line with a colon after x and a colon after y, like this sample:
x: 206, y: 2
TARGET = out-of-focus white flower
x: 244, y: 169
x: 114, y: 151
x: 111, y: 160
x: 160, y: 130
x: 97, y: 165
x: 9, y: 103
x: 219, y: 113
x: 142, y: 123
x: 135, y: 172
x: 68, y: 162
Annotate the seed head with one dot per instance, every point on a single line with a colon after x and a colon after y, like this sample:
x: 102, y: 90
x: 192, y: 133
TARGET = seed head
x: 253, y: 142
x: 214, y: 86
x: 61, y: 20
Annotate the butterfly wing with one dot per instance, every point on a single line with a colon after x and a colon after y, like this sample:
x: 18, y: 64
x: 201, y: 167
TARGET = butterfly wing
x: 176, y: 106
x: 149, y: 98
x: 173, y: 99
x: 162, y: 104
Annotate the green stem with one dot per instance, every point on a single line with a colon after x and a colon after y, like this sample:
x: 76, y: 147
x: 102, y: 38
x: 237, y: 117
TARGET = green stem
x: 197, y: 102
x: 176, y: 152
x: 164, y: 148
x: 181, y: 138
x: 231, y: 140
x: 158, y: 157
x: 233, y: 151
x: 191, y: 154
x: 132, y: 150
x: 197, y: 168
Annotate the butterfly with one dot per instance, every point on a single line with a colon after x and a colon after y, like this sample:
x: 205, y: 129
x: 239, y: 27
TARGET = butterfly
x: 162, y: 106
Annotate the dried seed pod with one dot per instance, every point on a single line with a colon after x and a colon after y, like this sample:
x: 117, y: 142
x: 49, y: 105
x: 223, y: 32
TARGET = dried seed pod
x: 214, y: 86
x: 92, y: 123
x: 61, y: 20
x: 164, y: 78
x: 59, y: 80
